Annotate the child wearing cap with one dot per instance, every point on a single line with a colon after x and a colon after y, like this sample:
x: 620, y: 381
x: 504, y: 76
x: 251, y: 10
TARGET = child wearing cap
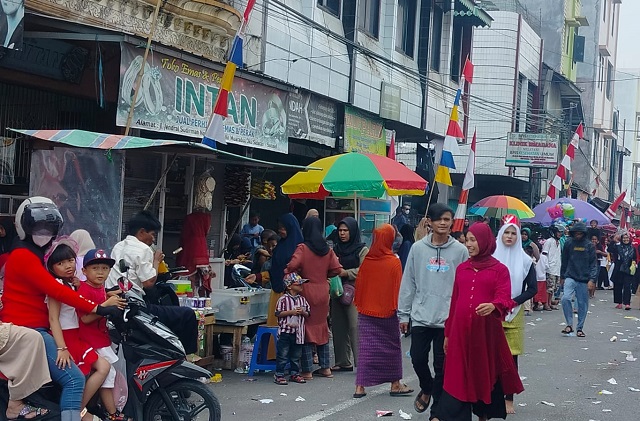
x: 291, y: 310
x: 93, y: 329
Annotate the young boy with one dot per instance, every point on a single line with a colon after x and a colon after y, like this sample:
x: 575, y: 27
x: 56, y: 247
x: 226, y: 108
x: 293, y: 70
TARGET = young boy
x: 291, y: 309
x: 93, y: 329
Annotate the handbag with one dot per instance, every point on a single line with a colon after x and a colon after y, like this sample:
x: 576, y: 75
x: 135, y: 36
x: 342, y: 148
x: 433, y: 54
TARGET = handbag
x: 348, y: 292
x: 335, y: 287
x: 632, y: 268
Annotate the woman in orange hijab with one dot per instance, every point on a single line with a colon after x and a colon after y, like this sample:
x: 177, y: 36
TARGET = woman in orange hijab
x: 376, y: 298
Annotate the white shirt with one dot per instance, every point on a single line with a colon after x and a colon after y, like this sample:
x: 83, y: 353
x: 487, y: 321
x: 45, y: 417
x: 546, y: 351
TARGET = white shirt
x: 552, y: 252
x: 68, y: 315
x: 138, y: 256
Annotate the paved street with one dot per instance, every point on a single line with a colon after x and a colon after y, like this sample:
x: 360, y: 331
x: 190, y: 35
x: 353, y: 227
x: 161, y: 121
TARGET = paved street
x: 566, y: 372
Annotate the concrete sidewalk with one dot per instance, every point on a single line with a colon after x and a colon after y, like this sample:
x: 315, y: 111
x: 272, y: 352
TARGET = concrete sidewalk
x: 567, y: 372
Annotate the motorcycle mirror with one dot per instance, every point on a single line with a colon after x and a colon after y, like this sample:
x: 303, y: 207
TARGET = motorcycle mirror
x: 122, y: 266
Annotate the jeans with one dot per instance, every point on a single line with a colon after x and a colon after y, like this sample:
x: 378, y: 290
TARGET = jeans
x: 421, y: 339
x: 571, y: 287
x: 70, y: 379
x: 288, y: 351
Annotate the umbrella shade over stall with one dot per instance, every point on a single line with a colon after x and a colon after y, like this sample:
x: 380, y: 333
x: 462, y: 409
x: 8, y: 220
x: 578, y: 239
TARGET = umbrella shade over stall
x: 581, y: 210
x: 499, y: 206
x: 354, y: 173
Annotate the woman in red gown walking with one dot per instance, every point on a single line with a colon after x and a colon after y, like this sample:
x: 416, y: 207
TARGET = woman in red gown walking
x: 479, y: 369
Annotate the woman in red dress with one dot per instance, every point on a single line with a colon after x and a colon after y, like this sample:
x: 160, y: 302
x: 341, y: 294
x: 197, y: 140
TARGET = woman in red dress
x: 479, y: 369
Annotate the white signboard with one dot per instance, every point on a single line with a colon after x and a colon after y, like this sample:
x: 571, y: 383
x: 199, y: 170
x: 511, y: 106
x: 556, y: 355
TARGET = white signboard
x: 532, y: 150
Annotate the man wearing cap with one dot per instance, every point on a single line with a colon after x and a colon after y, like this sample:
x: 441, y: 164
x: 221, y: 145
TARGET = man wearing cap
x: 142, y: 263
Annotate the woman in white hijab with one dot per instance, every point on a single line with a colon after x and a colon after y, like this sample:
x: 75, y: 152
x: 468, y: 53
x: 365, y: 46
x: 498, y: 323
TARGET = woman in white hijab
x: 85, y: 243
x: 523, y: 286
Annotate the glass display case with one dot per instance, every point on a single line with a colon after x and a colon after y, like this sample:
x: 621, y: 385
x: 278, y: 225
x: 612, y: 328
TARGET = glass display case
x: 370, y: 214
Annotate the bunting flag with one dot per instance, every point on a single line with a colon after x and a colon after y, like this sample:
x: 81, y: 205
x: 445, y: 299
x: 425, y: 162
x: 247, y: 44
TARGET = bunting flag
x: 450, y: 147
x: 392, y: 147
x: 215, y: 130
x: 467, y: 71
x: 564, y: 169
x: 467, y: 184
x: 611, y: 212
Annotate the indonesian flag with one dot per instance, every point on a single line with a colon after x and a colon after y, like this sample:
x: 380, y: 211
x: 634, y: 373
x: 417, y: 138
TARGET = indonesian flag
x: 611, y: 212
x: 392, y: 147
x: 467, y: 184
x: 564, y: 169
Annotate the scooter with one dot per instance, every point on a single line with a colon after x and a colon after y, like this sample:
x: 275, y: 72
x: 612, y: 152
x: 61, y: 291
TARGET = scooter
x: 161, y: 383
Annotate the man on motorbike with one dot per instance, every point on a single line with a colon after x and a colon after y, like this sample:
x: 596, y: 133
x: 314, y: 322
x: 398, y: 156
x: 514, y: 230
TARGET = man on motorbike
x: 26, y: 285
x: 143, y: 263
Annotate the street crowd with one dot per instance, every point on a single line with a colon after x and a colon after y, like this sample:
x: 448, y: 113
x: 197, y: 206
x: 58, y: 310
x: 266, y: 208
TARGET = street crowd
x: 460, y: 296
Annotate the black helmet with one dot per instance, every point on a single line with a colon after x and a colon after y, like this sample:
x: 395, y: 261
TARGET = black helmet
x: 38, y: 215
x: 239, y: 273
x: 578, y: 227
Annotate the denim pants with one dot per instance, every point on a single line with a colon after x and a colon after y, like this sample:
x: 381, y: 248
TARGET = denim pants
x: 288, y: 351
x: 70, y: 379
x: 571, y: 286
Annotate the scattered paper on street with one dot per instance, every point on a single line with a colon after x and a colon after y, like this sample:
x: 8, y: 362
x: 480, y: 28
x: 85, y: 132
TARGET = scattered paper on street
x: 548, y: 403
x: 605, y: 392
x: 613, y: 338
x: 612, y: 381
x: 300, y: 399
x: 542, y: 350
x: 266, y: 400
x: 404, y: 415
x: 633, y: 389
x: 384, y: 413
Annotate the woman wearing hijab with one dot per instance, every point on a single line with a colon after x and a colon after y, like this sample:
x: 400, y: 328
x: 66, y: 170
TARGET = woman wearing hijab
x: 376, y: 298
x: 408, y: 238
x: 479, y: 369
x: 625, y: 255
x: 85, y: 243
x: 527, y: 241
x: 351, y: 252
x: 315, y: 261
x: 524, y: 286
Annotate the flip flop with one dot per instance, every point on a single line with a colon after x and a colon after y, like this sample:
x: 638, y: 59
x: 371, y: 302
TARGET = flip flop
x: 419, y: 401
x: 340, y: 368
x: 359, y: 395
x: 567, y: 330
x: 28, y: 409
x: 319, y: 373
x: 580, y: 333
x: 404, y: 392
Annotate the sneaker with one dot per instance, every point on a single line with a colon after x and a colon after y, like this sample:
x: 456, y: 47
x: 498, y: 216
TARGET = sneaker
x: 619, y: 306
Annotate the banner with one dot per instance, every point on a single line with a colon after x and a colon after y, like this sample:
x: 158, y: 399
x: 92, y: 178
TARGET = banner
x: 363, y: 133
x: 532, y: 150
x: 7, y: 160
x: 177, y: 97
x: 11, y: 24
x: 312, y: 117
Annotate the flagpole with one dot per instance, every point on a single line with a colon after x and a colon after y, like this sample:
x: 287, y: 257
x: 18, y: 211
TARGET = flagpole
x: 136, y: 86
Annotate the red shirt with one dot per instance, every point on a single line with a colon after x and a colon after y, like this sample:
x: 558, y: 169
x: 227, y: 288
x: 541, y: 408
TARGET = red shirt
x: 95, y: 333
x: 26, y: 285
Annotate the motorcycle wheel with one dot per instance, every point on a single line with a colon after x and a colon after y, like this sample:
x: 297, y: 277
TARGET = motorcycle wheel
x: 192, y: 400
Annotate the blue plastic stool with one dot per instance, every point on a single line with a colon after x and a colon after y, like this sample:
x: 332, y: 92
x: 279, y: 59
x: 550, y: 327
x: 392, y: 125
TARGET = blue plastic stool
x: 261, y: 348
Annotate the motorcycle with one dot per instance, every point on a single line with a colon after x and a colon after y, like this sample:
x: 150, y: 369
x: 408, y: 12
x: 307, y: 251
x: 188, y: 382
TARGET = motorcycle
x: 162, y: 385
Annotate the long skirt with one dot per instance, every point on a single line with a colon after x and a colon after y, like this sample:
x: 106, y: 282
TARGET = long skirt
x: 541, y: 295
x: 379, y: 350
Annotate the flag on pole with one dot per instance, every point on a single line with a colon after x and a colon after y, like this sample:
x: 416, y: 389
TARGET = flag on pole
x: 564, y: 169
x: 467, y: 71
x: 595, y: 191
x: 467, y: 184
x: 450, y: 146
x: 392, y: 147
x: 623, y: 219
x: 215, y: 130
x: 611, y: 212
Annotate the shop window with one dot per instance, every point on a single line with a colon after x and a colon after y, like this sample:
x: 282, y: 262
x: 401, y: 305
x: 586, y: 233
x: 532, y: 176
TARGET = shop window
x: 436, y: 36
x: 331, y: 6
x: 369, y: 17
x: 406, y: 31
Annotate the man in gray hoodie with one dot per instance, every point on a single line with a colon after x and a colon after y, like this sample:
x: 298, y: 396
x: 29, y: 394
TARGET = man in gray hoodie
x: 425, y: 296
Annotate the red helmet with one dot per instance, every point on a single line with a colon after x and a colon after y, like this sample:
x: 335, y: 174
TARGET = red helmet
x: 510, y: 219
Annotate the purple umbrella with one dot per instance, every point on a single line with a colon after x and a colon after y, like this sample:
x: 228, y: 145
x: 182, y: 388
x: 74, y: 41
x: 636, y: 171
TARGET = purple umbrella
x: 582, y: 210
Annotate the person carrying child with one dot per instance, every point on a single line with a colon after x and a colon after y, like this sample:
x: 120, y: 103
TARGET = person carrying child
x: 61, y: 263
x: 96, y: 267
x: 291, y: 310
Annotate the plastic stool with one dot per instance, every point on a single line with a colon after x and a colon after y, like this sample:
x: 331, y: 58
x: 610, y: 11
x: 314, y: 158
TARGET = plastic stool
x: 261, y: 348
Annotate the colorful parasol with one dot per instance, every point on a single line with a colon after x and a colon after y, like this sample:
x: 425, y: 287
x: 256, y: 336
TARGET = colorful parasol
x: 498, y: 206
x: 581, y: 210
x: 354, y: 173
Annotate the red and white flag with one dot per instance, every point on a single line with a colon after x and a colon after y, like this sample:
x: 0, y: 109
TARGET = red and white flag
x: 611, y: 212
x: 392, y: 147
x: 564, y: 169
x: 467, y: 184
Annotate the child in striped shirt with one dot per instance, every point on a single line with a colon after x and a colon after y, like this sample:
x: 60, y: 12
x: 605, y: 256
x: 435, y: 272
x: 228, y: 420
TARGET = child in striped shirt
x: 291, y: 310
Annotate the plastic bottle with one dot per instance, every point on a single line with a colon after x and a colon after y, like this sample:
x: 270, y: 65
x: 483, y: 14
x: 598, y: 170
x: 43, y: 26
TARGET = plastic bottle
x: 246, y: 349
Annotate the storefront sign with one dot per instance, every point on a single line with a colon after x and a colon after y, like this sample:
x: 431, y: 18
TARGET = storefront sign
x: 177, y: 97
x: 312, y: 117
x: 532, y: 150
x: 11, y: 24
x: 390, y: 99
x: 363, y: 133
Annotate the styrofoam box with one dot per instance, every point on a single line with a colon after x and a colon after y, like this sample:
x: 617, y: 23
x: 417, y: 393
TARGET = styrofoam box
x: 240, y: 304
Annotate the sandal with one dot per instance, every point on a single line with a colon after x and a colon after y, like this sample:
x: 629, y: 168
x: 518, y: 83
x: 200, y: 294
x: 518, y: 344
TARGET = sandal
x: 28, y: 409
x: 419, y: 402
x: 319, y: 373
x: 404, y: 390
x: 580, y: 333
x: 340, y: 368
x: 117, y: 416
x: 297, y: 378
x: 280, y: 380
x: 567, y: 330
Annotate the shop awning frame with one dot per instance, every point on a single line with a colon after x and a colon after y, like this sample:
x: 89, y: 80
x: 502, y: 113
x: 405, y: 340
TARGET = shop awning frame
x: 104, y: 141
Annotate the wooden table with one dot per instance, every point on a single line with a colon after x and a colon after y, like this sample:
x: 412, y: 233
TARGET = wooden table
x: 213, y: 327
